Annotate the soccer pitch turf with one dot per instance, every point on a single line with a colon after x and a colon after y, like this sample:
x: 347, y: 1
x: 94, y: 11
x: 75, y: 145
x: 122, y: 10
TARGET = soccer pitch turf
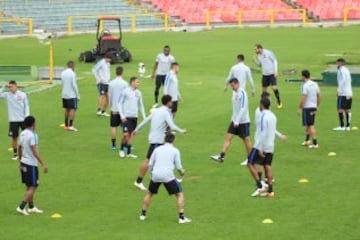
x: 93, y: 189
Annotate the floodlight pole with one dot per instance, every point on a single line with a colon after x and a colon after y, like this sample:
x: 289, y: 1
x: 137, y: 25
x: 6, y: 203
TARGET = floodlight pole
x: 51, y: 62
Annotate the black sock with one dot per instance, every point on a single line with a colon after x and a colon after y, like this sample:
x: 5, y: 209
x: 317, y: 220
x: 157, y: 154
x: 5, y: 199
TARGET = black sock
x: 15, y: 151
x: 156, y: 93
x: 66, y: 122
x: 314, y: 142
x: 71, y: 122
x: 277, y: 95
x: 143, y: 212
x: 307, y: 138
x: 31, y: 204
x: 348, y: 118
x: 113, y: 142
x: 22, y: 205
x: 102, y: 111
x: 222, y: 154
x: 128, y: 149
x: 123, y: 146
x: 99, y: 109
x: 270, y: 189
x: 260, y: 175
x: 341, y: 118
x: 139, y: 179
x: 258, y: 184
x: 181, y: 215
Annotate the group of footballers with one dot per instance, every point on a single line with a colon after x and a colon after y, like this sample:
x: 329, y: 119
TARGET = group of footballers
x: 125, y: 101
x: 260, y: 155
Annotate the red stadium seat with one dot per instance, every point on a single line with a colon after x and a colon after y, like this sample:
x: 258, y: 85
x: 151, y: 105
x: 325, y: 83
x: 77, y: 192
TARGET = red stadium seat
x: 329, y: 10
x: 194, y: 11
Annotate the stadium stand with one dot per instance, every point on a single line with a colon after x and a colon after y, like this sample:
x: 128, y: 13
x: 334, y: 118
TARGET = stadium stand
x: 52, y: 15
x: 194, y: 11
x: 330, y: 9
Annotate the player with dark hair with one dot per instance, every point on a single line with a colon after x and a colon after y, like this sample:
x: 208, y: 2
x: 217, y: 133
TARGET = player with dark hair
x: 131, y: 102
x: 161, y: 68
x: 171, y: 87
x: 240, y: 121
x: 269, y: 64
x: 70, y: 95
x: 116, y: 89
x: 18, y: 108
x: 309, y: 102
x: 344, y: 95
x: 160, y: 120
x: 242, y: 73
x: 263, y: 149
x: 29, y: 159
x: 161, y: 167
x: 102, y: 74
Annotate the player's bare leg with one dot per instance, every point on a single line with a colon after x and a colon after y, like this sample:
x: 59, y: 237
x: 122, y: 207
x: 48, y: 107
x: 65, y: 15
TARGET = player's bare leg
x: 269, y: 175
x: 106, y: 101
x: 145, y: 205
x: 248, y: 146
x: 71, y: 117
x: 147, y: 201
x: 253, y: 171
x: 227, y: 142
x: 143, y: 168
x: 312, y: 132
x: 180, y: 202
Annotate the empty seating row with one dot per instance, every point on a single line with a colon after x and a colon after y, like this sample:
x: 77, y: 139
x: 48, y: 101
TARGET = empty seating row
x: 330, y: 9
x: 52, y: 15
x: 194, y: 11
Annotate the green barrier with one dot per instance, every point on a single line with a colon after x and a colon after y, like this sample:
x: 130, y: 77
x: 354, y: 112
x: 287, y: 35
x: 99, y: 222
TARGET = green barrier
x: 18, y: 73
x: 330, y: 76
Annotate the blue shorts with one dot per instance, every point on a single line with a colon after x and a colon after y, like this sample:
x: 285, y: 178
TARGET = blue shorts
x: 344, y: 103
x: 29, y: 175
x: 102, y: 88
x: 172, y: 187
x: 308, y: 116
x: 255, y: 158
x: 242, y: 130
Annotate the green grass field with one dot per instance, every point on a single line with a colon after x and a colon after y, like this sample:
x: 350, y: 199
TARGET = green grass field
x: 92, y: 188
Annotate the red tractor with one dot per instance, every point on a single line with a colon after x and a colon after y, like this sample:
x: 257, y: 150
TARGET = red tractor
x: 107, y: 43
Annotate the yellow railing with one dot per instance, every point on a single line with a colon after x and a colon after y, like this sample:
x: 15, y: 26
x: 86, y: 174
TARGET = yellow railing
x: 240, y: 13
x: 346, y: 13
x: 20, y: 21
x: 133, y: 18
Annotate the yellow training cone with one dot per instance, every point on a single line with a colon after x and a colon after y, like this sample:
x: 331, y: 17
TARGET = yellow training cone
x: 354, y: 128
x: 303, y: 180
x: 62, y: 125
x: 56, y: 215
x: 267, y: 220
x: 10, y: 149
x: 331, y: 154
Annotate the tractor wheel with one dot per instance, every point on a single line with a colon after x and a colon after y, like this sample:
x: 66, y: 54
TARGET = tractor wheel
x: 126, y: 55
x: 86, y: 57
x: 89, y: 57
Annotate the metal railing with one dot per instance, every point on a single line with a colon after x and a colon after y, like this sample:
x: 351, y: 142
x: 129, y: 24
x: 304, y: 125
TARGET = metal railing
x: 133, y: 18
x: 19, y: 22
x: 240, y: 14
x: 346, y: 13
